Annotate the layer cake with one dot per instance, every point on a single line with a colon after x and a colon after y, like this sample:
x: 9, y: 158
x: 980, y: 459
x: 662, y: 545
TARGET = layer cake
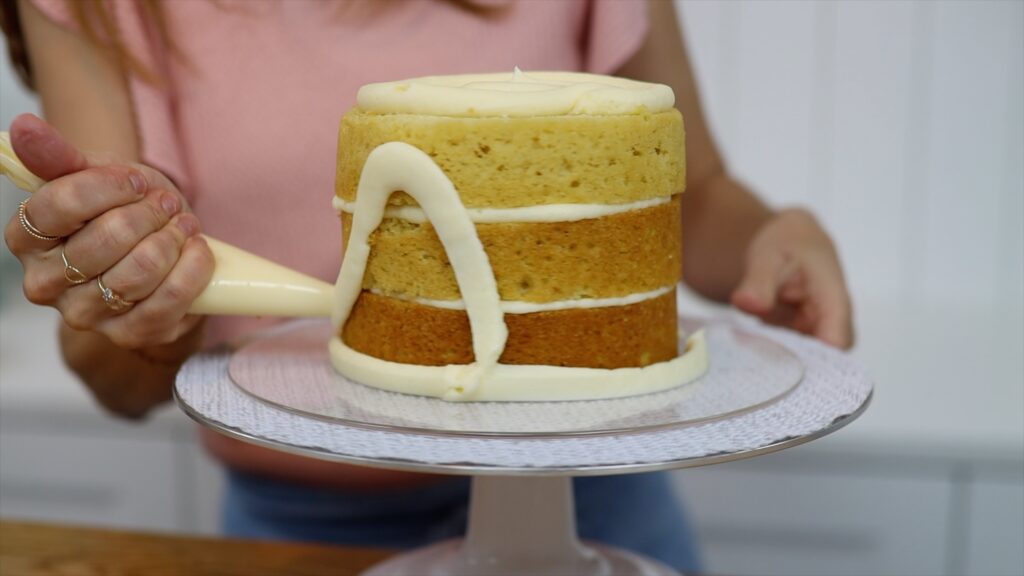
x: 570, y: 183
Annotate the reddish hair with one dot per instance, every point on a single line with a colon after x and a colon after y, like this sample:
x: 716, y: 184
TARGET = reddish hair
x: 96, y: 23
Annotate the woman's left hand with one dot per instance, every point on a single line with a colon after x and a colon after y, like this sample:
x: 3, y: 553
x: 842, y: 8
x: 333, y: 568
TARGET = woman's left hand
x: 793, y: 278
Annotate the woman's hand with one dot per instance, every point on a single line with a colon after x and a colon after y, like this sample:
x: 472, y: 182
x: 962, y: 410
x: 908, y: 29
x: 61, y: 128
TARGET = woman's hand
x: 124, y: 224
x: 793, y: 278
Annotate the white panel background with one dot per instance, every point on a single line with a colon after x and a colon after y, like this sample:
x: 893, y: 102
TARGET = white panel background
x: 899, y: 123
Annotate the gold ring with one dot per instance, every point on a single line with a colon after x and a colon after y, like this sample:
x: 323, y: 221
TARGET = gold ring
x: 72, y: 274
x: 112, y: 299
x: 32, y: 230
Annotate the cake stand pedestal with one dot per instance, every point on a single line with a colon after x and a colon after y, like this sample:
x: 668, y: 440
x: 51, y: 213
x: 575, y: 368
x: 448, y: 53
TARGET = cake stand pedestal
x: 279, y: 391
x: 519, y: 526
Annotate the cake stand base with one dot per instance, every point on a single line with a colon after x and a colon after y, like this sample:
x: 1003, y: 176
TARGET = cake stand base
x: 520, y: 526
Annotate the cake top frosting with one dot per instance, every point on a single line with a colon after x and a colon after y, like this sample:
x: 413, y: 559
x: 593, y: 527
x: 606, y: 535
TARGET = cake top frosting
x: 515, y: 93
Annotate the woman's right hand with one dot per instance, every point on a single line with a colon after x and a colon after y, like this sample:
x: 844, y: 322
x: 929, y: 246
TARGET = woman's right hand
x: 125, y: 224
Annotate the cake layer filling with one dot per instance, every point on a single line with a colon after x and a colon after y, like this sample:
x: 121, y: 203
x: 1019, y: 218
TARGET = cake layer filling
x: 519, y: 307
x: 542, y: 213
x: 631, y: 335
x: 510, y: 163
x: 614, y: 256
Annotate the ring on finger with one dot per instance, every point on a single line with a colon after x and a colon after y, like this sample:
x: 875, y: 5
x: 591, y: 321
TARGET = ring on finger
x: 112, y: 299
x: 32, y: 230
x: 71, y: 273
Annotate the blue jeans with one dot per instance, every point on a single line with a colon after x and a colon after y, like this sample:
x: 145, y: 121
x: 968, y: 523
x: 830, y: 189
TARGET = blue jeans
x: 638, y: 512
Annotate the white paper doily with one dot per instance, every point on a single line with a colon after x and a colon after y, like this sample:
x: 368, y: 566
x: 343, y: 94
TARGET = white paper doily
x: 833, y: 392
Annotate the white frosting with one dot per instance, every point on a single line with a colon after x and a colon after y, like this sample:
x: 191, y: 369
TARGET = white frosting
x: 515, y: 94
x: 520, y: 307
x: 527, y: 383
x: 11, y: 166
x: 247, y: 284
x: 538, y: 213
x: 399, y: 166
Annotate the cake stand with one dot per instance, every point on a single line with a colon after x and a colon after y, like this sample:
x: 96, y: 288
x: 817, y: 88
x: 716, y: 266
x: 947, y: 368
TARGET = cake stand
x: 766, y: 390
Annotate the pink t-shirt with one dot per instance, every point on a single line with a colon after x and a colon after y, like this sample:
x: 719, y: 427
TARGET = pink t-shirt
x: 247, y: 123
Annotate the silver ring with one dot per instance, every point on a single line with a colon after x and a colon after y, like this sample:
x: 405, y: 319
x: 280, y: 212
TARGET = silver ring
x: 72, y: 274
x: 32, y: 230
x: 112, y: 299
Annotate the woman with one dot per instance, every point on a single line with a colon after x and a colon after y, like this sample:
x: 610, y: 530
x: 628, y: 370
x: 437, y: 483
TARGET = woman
x: 168, y: 118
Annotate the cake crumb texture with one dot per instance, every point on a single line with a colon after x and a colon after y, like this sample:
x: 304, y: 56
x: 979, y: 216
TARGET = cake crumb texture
x: 512, y: 162
x: 615, y: 337
x: 612, y: 256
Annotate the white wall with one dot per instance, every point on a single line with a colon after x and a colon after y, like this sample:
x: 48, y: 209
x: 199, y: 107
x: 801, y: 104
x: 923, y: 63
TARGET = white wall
x: 900, y: 123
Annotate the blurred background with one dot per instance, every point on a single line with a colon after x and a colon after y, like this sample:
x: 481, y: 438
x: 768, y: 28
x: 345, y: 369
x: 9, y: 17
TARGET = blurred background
x: 901, y: 125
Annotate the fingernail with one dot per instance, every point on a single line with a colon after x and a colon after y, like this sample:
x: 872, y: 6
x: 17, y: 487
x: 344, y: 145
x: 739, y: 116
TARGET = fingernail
x: 169, y: 202
x: 187, y: 224
x: 138, y: 181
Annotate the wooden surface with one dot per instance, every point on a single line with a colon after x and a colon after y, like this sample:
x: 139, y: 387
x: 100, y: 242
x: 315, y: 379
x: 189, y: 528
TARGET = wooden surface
x: 28, y: 549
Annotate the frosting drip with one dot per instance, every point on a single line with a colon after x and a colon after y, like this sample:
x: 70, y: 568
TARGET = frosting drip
x: 399, y: 166
x: 515, y: 94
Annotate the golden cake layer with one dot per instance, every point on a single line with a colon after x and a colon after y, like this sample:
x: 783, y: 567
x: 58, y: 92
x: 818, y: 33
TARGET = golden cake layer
x: 614, y: 337
x: 617, y: 255
x: 500, y: 162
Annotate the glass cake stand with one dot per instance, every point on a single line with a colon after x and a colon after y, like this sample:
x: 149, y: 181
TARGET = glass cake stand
x: 764, y: 391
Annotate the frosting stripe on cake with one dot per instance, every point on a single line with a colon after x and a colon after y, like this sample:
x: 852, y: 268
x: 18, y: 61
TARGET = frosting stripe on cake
x: 538, y: 213
x: 399, y: 166
x: 526, y: 383
x: 520, y: 307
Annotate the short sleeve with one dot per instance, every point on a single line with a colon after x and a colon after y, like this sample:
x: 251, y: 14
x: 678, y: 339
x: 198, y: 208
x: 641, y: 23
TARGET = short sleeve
x: 153, y: 103
x: 615, y: 31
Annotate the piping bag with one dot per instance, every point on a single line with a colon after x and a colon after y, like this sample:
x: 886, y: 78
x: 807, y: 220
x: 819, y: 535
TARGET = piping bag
x: 242, y: 283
